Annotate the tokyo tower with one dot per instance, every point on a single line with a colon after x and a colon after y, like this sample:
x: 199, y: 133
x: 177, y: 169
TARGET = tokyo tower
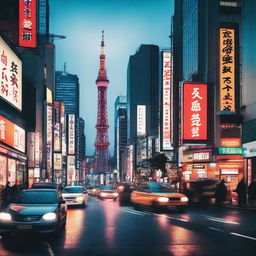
x: 102, y: 143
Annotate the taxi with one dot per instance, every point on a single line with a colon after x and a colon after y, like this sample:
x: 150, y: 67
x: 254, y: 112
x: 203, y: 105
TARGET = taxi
x: 158, y: 195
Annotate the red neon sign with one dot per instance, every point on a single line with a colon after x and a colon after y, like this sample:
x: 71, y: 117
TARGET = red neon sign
x: 27, y: 23
x: 194, y: 111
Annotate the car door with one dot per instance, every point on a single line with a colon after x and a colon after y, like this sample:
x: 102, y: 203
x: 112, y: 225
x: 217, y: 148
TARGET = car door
x: 142, y: 195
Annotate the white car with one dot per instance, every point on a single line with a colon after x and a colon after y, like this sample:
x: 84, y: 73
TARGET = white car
x: 75, y: 195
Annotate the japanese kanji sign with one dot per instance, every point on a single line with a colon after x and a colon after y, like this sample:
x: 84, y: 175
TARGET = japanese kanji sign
x: 167, y: 83
x: 141, y: 120
x: 71, y: 134
x: 27, y: 23
x: 11, y: 134
x: 194, y: 111
x: 11, y: 76
x: 227, y: 69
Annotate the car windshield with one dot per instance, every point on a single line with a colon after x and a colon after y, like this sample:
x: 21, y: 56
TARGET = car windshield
x: 45, y: 185
x: 72, y: 190
x: 106, y: 188
x: 161, y: 188
x: 37, y: 197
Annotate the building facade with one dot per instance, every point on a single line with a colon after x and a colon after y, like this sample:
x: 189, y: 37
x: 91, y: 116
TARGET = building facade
x: 206, y: 45
x: 120, y: 132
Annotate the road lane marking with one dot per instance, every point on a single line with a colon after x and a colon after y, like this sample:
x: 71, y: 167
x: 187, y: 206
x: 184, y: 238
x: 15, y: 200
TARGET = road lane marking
x: 216, y: 229
x: 134, y: 212
x: 49, y: 248
x: 244, y: 236
x: 222, y: 220
x: 170, y: 217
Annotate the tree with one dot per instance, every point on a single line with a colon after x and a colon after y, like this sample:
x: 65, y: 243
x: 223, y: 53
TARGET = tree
x: 159, y: 161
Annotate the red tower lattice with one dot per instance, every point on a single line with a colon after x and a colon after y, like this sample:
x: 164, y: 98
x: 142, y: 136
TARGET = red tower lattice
x: 102, y: 142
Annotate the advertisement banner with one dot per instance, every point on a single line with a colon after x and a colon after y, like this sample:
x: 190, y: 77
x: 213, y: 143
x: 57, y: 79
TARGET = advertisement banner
x: 11, y: 134
x: 57, y: 161
x: 167, y: 86
x: 71, y: 169
x: 31, y: 149
x: 194, y: 112
x: 37, y: 148
x: 141, y: 120
x: 27, y: 23
x: 57, y: 138
x: 49, y: 140
x: 71, y: 134
x: 227, y: 69
x: 11, y: 76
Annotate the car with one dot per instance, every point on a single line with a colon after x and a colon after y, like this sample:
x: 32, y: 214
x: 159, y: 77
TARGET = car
x: 200, y: 191
x: 94, y: 191
x: 158, y: 195
x: 34, y: 211
x: 75, y: 195
x: 44, y: 185
x: 107, y: 192
x: 124, y: 192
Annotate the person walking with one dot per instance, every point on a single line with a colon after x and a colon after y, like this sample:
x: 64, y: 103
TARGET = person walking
x: 252, y: 192
x: 241, y: 191
x: 6, y: 193
x: 220, y: 193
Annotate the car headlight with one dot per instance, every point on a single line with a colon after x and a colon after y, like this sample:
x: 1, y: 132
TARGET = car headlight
x: 184, y: 199
x: 115, y: 194
x: 50, y: 216
x: 80, y: 198
x: 4, y: 216
x: 103, y: 194
x: 163, y: 199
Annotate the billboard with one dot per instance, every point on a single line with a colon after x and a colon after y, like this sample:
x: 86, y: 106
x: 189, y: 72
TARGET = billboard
x: 27, y: 23
x: 166, y: 105
x: 11, y: 76
x: 194, y: 112
x: 49, y: 138
x: 11, y: 134
x: 57, y: 160
x: 141, y: 120
x: 71, y: 169
x: 227, y: 69
x: 71, y: 134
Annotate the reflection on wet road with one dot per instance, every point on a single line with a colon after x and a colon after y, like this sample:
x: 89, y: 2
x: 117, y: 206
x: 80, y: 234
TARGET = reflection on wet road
x: 104, y: 228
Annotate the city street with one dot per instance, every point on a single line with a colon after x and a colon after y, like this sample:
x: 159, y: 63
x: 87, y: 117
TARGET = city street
x: 105, y: 228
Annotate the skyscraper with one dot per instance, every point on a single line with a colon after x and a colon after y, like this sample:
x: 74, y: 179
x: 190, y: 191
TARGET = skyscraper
x: 67, y: 91
x: 206, y: 46
x: 120, y: 131
x: 143, y: 90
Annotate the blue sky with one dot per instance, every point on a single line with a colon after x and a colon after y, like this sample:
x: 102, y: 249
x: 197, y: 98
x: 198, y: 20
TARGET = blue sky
x: 127, y: 25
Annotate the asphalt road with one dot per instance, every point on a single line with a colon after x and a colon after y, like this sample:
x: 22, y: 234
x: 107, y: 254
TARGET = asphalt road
x: 104, y: 228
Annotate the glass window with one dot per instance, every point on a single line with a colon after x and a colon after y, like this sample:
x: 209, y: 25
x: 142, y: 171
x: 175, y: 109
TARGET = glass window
x: 37, y: 197
x: 73, y: 190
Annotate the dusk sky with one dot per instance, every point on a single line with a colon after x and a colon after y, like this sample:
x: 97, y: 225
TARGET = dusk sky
x: 127, y: 25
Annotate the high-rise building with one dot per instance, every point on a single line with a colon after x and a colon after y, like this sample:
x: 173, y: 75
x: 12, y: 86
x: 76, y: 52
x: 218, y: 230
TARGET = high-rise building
x: 248, y: 87
x: 142, y: 92
x: 206, y: 48
x: 67, y: 91
x: 102, y: 142
x: 120, y: 132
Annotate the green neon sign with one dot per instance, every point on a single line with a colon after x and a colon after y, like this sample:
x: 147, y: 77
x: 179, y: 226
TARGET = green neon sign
x: 230, y: 151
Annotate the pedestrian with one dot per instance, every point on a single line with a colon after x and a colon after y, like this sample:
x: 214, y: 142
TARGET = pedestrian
x: 6, y: 193
x: 241, y: 191
x: 220, y: 193
x: 14, y: 192
x: 252, y: 192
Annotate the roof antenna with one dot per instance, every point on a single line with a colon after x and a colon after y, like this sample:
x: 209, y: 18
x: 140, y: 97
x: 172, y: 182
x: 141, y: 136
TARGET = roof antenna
x: 102, y: 40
